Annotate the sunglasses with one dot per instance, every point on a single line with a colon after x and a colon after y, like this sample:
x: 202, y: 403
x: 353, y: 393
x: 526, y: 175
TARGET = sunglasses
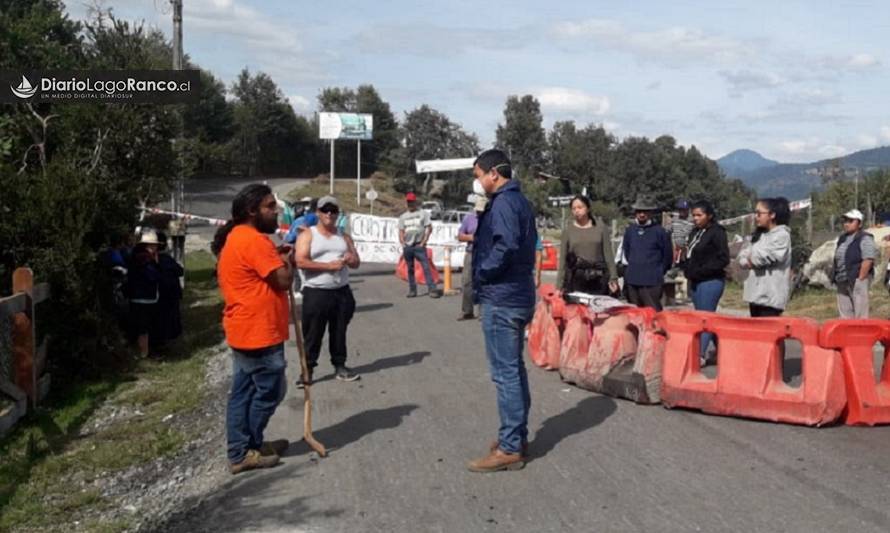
x: 329, y: 210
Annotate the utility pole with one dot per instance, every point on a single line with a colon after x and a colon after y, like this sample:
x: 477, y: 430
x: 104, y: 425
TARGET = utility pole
x: 178, y: 196
x: 177, y: 34
x: 856, y: 186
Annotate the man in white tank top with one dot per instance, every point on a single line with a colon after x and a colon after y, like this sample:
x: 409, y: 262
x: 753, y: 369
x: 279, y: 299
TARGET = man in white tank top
x: 325, y: 255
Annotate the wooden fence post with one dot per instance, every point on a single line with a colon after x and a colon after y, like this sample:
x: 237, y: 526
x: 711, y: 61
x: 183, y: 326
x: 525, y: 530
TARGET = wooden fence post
x: 23, y: 336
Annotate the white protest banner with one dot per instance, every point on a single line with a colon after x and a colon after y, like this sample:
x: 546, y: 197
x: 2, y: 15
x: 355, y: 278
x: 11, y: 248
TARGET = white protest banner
x: 377, y: 240
x: 444, y: 165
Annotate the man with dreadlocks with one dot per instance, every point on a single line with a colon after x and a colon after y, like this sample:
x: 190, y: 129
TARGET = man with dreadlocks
x: 254, y: 277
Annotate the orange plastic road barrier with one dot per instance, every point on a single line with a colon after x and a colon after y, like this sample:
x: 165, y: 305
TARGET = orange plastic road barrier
x: 550, y: 260
x: 575, y: 344
x: 402, y: 269
x: 545, y: 330
x: 617, y: 353
x: 868, y: 399
x: 749, y: 372
x: 638, y: 379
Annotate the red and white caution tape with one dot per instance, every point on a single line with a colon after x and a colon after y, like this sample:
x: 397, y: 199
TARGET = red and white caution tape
x: 189, y: 216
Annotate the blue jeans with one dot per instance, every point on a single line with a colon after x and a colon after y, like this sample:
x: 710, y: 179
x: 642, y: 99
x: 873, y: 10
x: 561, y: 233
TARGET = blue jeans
x: 504, y: 331
x: 258, y: 386
x: 705, y: 297
x: 418, y: 252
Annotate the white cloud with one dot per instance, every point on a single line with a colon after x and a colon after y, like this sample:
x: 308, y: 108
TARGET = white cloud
x: 563, y: 100
x: 833, y: 150
x: 675, y: 45
x: 862, y: 61
x: 866, y: 141
x: 885, y: 133
x: 228, y: 18
x: 301, y: 104
x: 809, y: 149
x: 743, y: 81
x: 430, y: 40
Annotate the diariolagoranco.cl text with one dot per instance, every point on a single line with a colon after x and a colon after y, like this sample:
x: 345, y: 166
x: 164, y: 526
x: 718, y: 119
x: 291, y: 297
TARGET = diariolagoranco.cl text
x: 113, y: 86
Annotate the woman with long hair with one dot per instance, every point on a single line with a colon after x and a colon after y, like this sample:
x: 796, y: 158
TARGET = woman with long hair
x: 586, y: 261
x: 768, y: 258
x: 704, y: 265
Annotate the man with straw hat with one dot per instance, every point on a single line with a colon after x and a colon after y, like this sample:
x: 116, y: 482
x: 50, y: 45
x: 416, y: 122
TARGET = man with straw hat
x: 649, y: 254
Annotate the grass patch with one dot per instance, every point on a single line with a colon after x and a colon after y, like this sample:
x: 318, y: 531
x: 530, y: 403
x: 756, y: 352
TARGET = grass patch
x: 47, y: 462
x: 813, y: 302
x: 389, y: 203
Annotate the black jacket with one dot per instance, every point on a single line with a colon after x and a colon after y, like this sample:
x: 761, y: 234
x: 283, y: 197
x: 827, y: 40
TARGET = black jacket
x: 707, y: 254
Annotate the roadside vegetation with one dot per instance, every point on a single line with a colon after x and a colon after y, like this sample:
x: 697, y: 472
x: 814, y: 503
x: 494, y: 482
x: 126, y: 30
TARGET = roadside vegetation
x: 90, y: 430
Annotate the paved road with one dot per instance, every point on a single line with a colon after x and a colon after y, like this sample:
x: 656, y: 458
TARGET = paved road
x: 401, y: 436
x: 212, y: 197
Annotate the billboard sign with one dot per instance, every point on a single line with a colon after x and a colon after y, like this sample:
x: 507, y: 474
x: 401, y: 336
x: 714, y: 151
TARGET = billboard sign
x: 354, y: 126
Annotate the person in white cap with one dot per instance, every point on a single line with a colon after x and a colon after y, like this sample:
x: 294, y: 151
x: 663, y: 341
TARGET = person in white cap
x: 854, y: 266
x: 325, y: 255
x: 143, y: 277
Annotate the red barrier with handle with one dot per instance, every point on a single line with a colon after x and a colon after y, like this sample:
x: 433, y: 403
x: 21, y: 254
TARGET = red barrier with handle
x: 868, y: 399
x: 545, y: 330
x: 638, y: 378
x: 550, y: 257
x: 575, y: 345
x: 419, y: 277
x: 617, y: 352
x: 749, y: 372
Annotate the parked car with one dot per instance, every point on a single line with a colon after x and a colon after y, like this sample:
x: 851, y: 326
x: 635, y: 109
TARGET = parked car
x: 454, y: 216
x: 432, y: 207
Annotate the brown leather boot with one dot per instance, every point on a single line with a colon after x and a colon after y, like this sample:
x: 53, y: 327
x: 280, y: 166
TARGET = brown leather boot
x: 494, y: 446
x: 496, y: 461
x: 253, y: 460
x: 274, y: 447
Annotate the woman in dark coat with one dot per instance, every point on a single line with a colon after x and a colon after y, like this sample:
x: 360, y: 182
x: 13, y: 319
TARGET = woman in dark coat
x: 143, y: 279
x: 168, y: 322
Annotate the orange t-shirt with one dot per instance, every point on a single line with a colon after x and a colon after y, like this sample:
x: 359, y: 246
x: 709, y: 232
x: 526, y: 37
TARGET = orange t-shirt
x: 255, y: 314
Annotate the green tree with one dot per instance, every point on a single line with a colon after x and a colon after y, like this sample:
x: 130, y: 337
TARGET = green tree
x: 430, y: 134
x: 522, y: 134
x: 72, y: 175
x: 582, y: 157
x: 270, y: 139
x: 38, y: 32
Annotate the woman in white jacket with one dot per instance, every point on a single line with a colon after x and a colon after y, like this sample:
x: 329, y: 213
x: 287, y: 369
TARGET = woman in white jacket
x: 768, y: 258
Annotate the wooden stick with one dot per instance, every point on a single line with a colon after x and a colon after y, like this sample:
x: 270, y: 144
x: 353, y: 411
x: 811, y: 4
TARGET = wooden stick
x: 304, y: 367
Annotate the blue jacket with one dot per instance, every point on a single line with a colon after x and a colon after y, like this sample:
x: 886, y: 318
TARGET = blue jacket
x: 648, y: 252
x: 504, y: 250
x: 305, y: 221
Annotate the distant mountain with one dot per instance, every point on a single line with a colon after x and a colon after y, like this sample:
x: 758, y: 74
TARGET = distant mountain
x: 798, y: 180
x: 742, y: 161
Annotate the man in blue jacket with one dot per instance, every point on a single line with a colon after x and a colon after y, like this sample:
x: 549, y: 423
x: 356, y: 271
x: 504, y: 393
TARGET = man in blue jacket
x: 504, y: 285
x: 648, y: 252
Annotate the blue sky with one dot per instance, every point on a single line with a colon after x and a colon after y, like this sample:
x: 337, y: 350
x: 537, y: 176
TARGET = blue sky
x: 794, y: 80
